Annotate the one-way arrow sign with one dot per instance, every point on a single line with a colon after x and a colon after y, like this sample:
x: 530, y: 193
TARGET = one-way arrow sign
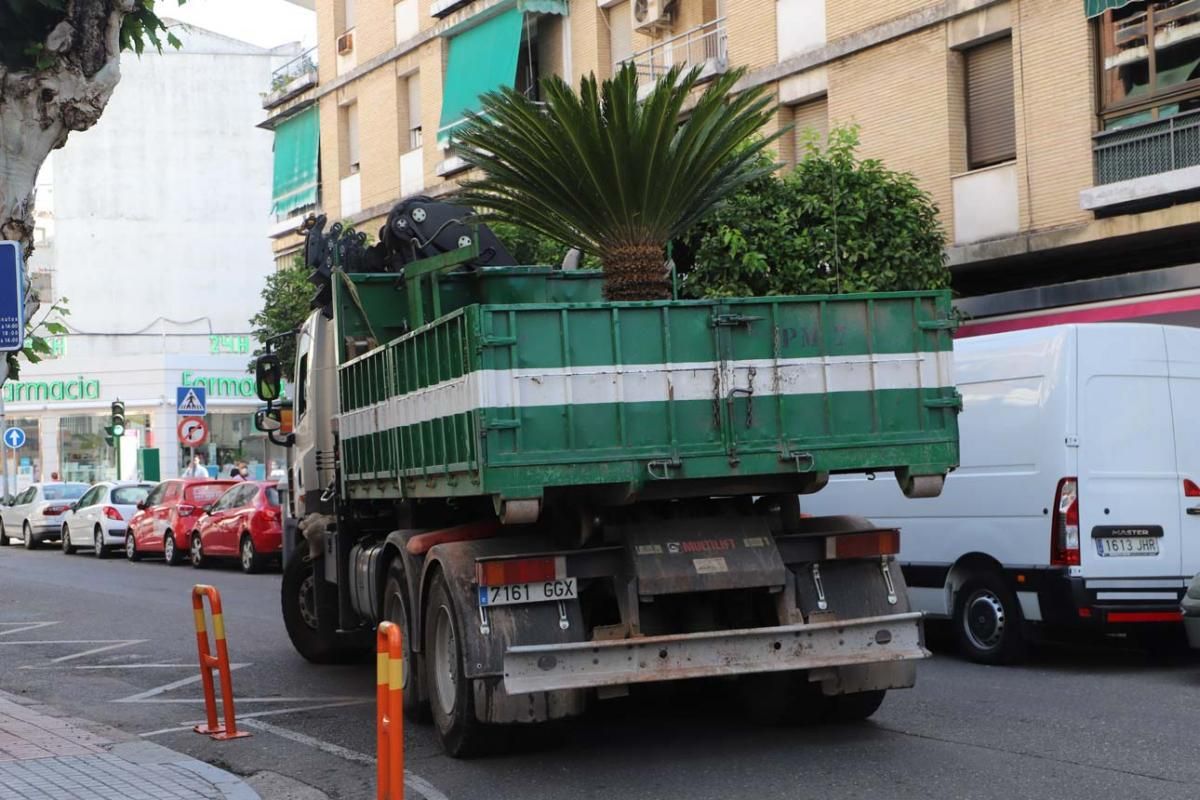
x: 191, y: 401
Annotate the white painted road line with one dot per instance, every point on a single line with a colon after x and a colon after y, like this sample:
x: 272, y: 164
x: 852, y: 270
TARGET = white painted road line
x: 132, y: 666
x: 141, y: 697
x: 414, y: 782
x: 27, y: 626
x: 187, y: 726
x: 95, y: 650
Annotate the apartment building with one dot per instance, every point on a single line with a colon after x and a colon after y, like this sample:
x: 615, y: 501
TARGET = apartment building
x: 1059, y: 138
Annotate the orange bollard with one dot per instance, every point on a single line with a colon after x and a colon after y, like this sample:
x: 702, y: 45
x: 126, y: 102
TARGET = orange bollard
x: 389, y: 712
x: 208, y: 662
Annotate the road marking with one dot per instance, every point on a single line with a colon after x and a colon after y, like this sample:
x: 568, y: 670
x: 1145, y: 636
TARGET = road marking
x: 414, y: 782
x: 63, y: 641
x: 141, y: 697
x: 95, y: 650
x: 129, y: 666
x: 187, y: 726
x: 28, y: 626
x: 239, y: 699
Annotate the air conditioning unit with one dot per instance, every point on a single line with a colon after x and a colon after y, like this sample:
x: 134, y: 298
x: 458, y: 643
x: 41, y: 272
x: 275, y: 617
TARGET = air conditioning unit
x: 651, y: 15
x: 346, y: 43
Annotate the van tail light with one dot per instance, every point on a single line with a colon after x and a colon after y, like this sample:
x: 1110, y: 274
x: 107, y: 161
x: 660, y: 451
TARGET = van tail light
x: 1064, y: 530
x: 1190, y: 489
x: 113, y: 514
x: 863, y: 545
x: 185, y: 510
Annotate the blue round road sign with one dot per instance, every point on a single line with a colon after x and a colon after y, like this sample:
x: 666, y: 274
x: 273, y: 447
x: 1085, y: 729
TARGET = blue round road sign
x: 14, y: 437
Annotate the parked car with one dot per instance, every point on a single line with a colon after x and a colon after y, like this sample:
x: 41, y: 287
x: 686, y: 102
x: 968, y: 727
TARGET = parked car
x: 244, y: 523
x: 36, y: 513
x: 1077, y: 502
x: 164, y: 521
x: 1191, y: 613
x: 101, y: 517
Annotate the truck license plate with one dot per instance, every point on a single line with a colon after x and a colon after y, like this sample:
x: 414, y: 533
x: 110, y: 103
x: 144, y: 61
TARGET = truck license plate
x: 1128, y: 546
x: 540, y: 592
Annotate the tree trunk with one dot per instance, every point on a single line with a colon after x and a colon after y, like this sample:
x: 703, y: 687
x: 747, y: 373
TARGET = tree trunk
x: 38, y: 108
x: 635, y: 272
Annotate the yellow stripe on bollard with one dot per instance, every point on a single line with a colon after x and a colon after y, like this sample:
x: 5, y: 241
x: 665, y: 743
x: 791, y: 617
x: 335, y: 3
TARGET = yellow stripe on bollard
x: 395, y: 673
x: 199, y: 614
x: 218, y: 626
x: 381, y: 668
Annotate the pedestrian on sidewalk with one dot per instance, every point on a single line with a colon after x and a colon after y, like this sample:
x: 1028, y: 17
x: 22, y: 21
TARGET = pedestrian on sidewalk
x: 196, y: 469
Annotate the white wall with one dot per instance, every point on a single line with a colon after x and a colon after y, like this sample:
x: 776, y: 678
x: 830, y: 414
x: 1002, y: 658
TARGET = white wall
x: 158, y: 209
x: 800, y: 26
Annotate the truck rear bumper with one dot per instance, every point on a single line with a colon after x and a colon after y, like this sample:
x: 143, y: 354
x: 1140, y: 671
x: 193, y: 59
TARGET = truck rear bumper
x: 581, y: 665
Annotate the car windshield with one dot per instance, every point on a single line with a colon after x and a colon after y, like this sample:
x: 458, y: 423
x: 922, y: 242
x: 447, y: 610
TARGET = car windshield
x: 272, y: 496
x: 204, y: 493
x: 64, y: 491
x: 129, y: 495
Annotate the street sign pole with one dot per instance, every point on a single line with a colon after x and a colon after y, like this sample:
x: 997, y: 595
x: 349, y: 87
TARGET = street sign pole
x: 4, y: 461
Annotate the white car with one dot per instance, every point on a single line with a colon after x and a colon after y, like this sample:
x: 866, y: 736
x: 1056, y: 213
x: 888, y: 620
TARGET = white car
x: 36, y: 514
x: 100, y: 519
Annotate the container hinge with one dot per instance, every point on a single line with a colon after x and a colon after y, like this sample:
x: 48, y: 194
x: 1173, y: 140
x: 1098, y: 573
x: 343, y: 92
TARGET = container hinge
x: 804, y: 461
x: 945, y: 324
x: 660, y: 468
x: 501, y: 424
x: 954, y: 402
x: 822, y: 603
x: 733, y: 320
x: 887, y: 579
x: 497, y: 341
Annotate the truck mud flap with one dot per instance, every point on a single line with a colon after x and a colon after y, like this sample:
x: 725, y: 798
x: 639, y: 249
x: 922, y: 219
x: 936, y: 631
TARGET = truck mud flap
x: 866, y: 640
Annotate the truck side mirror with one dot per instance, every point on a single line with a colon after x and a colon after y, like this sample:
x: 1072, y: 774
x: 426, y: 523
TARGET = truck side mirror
x: 268, y: 377
x: 267, y: 419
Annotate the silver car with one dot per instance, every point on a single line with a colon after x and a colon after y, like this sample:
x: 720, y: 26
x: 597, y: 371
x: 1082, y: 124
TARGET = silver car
x: 36, y: 514
x: 100, y: 518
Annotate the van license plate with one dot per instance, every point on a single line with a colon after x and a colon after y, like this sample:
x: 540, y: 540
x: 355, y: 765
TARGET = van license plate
x: 1128, y: 546
x: 540, y: 592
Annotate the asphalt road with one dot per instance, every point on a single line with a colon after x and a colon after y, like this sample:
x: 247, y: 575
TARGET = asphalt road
x: 108, y: 641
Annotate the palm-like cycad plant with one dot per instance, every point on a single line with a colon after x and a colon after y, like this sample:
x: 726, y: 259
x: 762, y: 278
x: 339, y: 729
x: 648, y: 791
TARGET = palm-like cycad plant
x: 603, y: 172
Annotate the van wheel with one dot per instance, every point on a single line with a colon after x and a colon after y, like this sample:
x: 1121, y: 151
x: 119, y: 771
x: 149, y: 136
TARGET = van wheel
x: 450, y: 693
x: 396, y: 610
x: 987, y: 621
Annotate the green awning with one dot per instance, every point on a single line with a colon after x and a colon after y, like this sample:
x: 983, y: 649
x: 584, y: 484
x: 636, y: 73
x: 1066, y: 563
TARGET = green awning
x: 543, y: 6
x: 296, y: 145
x: 482, y: 59
x: 1094, y: 8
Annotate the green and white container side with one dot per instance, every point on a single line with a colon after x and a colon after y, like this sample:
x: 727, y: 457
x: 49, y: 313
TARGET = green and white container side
x: 516, y: 400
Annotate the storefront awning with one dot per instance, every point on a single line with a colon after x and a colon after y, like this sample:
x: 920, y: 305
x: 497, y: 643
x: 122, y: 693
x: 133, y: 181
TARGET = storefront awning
x: 543, y: 6
x: 296, y: 146
x: 482, y: 59
x: 1094, y: 8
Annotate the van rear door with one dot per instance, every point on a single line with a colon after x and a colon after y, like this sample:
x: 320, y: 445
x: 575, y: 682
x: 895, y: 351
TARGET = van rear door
x: 1128, y: 480
x: 1183, y: 350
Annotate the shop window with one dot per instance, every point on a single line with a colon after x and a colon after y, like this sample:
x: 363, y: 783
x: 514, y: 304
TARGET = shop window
x: 233, y: 439
x: 991, y: 115
x: 1150, y: 61
x: 84, y: 455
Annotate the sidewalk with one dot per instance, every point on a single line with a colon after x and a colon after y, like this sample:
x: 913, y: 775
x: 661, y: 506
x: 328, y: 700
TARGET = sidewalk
x: 46, y: 756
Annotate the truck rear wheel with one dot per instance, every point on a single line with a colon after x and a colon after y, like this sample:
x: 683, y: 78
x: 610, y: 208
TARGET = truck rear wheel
x: 313, y: 630
x: 853, y: 707
x: 396, y: 609
x: 451, y: 698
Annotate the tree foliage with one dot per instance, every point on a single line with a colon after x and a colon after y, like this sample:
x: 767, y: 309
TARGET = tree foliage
x: 286, y: 304
x: 835, y: 224
x: 26, y: 27
x: 600, y: 170
x: 528, y: 247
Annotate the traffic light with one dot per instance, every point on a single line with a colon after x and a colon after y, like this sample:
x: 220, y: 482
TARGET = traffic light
x: 118, y: 419
x: 109, y: 438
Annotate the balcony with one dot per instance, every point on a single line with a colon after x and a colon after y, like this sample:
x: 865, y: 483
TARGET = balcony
x: 705, y: 46
x: 292, y: 78
x: 1141, y: 162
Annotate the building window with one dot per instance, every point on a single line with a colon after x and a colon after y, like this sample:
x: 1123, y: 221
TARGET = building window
x: 410, y: 111
x: 809, y: 120
x: 529, y: 63
x: 344, y: 15
x: 991, y: 117
x: 620, y: 33
x: 1150, y: 61
x: 348, y: 125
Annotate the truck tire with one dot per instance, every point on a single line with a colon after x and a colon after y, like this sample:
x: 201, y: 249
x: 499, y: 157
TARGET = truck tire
x: 312, y: 630
x: 853, y: 707
x: 987, y: 621
x: 451, y: 698
x: 396, y: 610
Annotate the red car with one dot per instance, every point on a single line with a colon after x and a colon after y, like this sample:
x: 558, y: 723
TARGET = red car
x: 164, y: 521
x: 244, y: 523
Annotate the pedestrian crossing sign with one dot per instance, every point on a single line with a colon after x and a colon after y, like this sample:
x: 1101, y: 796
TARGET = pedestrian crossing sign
x: 191, y: 401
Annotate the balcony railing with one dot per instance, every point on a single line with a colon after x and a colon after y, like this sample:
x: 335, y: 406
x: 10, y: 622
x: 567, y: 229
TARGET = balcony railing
x: 705, y: 46
x: 1149, y: 149
x: 302, y: 65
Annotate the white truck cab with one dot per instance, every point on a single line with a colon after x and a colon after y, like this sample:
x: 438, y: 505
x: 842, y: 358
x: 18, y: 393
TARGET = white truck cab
x: 1078, y: 498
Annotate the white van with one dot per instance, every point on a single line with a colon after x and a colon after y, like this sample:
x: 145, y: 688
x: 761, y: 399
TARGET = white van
x: 1078, y: 498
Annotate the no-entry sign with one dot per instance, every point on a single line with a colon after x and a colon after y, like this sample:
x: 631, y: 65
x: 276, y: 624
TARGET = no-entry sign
x: 192, y: 431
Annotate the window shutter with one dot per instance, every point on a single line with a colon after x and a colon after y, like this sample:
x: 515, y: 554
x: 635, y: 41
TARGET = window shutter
x: 813, y: 115
x: 620, y: 33
x: 991, y: 118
